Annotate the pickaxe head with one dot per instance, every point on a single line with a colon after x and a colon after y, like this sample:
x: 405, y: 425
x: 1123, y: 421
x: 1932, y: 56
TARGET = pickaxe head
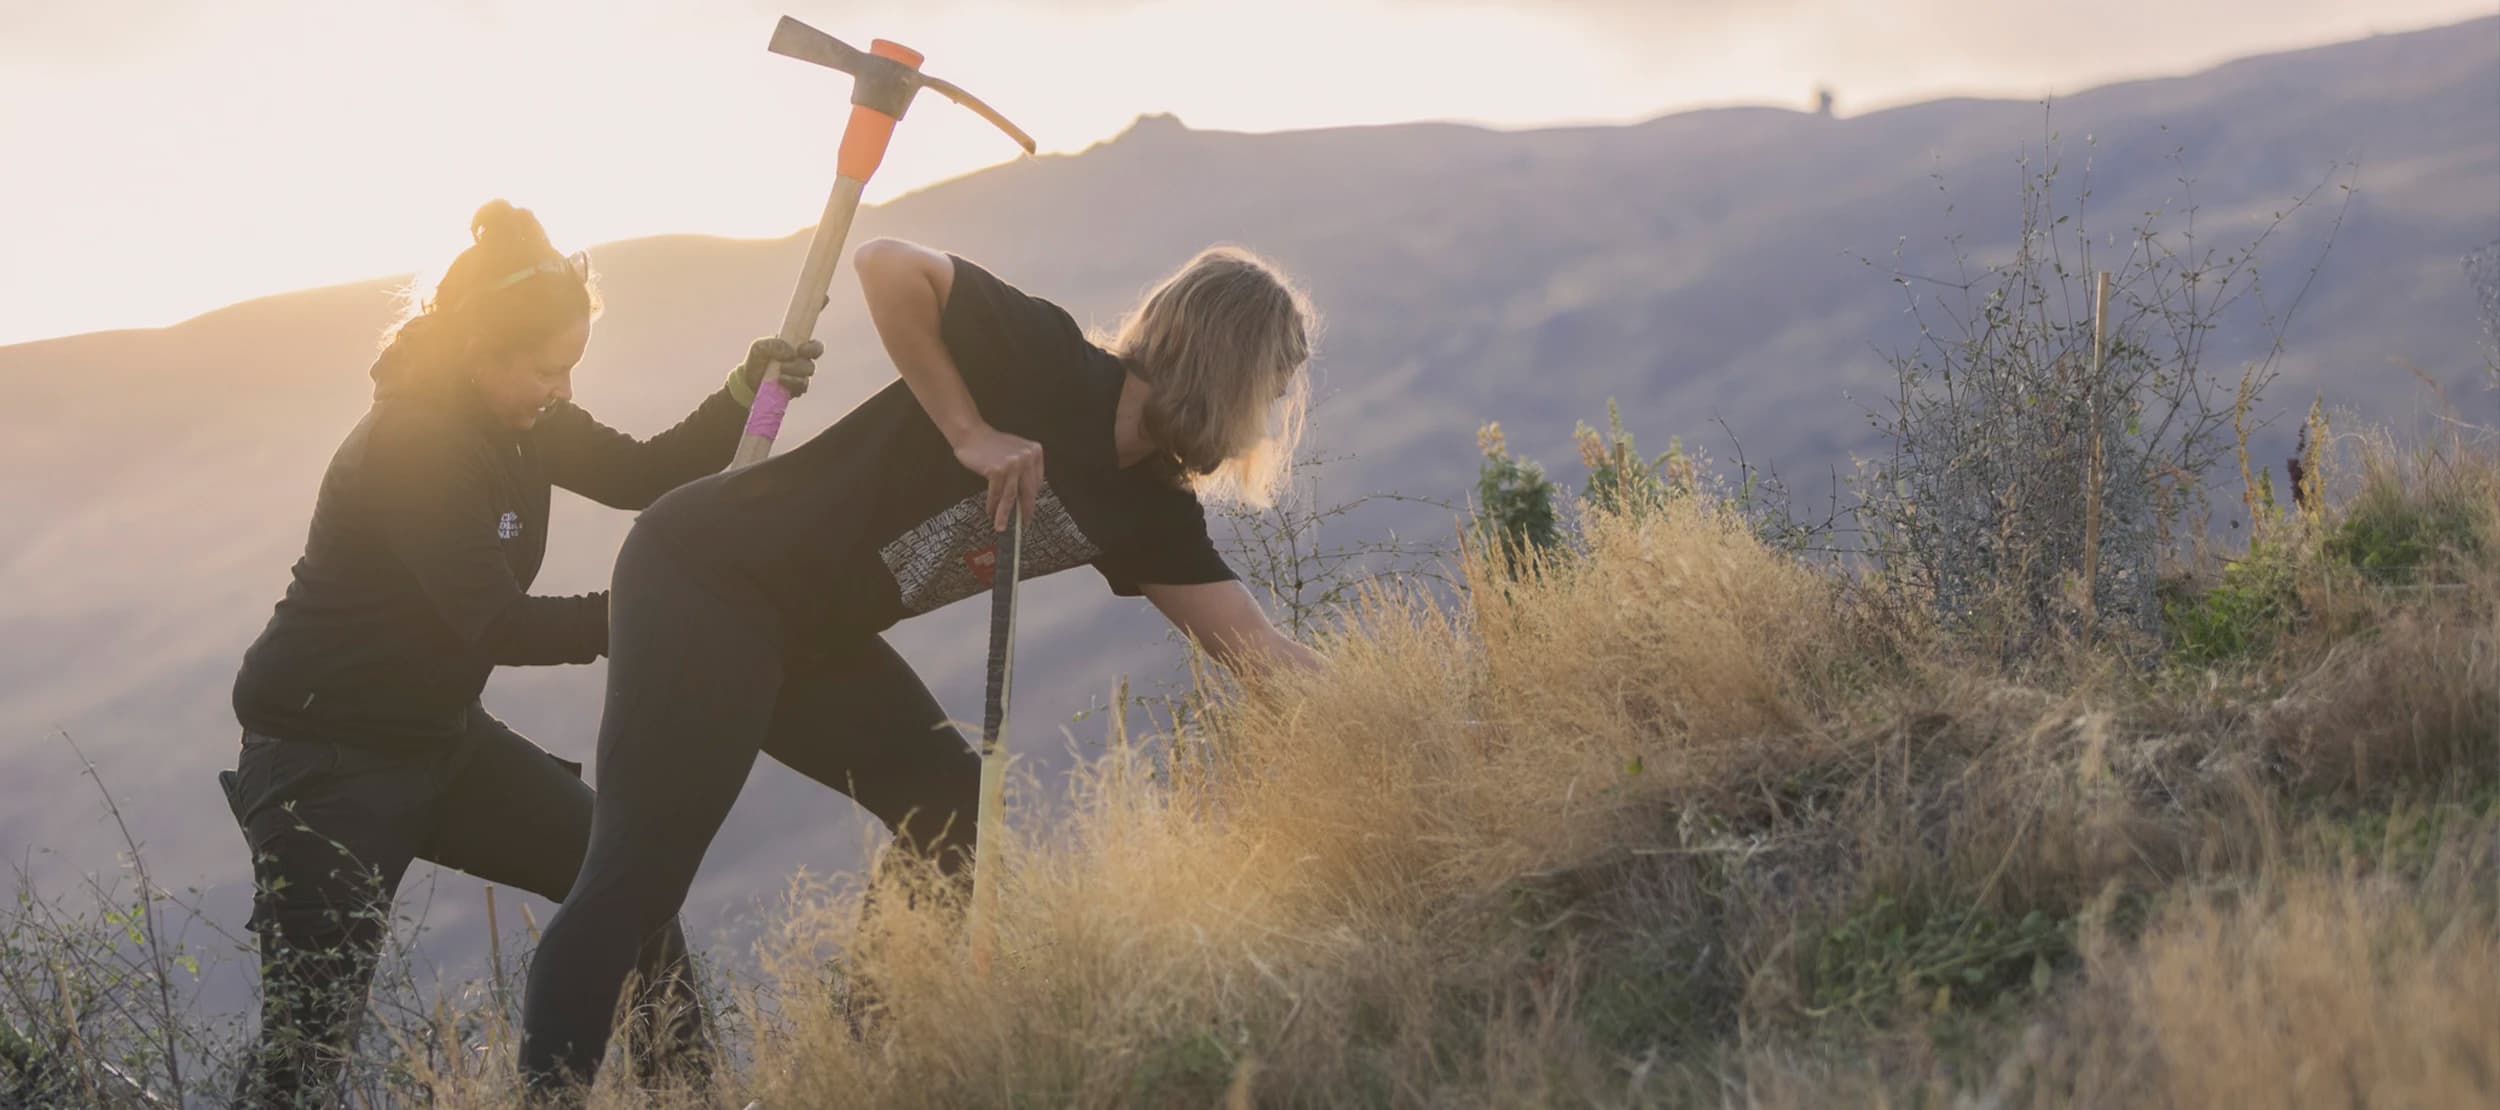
x: 884, y: 79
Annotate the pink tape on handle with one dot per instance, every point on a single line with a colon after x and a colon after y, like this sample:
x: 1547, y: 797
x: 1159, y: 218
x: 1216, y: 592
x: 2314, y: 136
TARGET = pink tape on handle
x: 764, y: 416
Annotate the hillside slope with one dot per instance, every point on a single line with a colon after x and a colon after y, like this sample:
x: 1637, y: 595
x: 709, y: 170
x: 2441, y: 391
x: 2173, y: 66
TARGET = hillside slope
x: 1698, y: 266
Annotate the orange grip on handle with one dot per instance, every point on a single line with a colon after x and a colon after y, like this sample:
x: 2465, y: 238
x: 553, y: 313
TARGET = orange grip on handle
x: 863, y: 142
x: 865, y: 139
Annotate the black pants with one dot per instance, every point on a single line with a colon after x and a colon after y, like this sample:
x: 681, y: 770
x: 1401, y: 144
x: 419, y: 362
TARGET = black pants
x: 701, y: 676
x: 332, y: 829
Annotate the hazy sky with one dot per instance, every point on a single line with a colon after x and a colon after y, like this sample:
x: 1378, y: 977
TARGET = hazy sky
x: 161, y: 159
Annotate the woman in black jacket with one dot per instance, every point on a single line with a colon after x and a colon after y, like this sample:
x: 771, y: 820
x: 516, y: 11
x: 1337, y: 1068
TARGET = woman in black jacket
x: 364, y: 744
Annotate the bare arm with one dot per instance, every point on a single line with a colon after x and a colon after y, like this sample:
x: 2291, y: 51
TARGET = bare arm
x: 1226, y: 619
x: 906, y: 286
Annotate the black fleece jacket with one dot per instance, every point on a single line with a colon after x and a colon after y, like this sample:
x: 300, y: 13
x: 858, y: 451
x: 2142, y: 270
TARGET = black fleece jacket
x: 430, y: 526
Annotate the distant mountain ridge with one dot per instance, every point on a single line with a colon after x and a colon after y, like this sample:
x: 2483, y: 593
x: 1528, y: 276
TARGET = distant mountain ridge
x: 1699, y: 266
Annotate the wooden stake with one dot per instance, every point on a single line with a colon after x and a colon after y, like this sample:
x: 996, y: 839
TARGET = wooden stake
x: 2092, y: 481
x: 494, y: 957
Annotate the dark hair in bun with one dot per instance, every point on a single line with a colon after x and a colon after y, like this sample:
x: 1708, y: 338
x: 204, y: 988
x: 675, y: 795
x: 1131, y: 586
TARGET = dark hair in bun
x: 510, y: 288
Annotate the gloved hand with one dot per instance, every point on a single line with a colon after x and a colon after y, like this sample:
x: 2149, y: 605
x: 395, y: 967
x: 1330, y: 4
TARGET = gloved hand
x: 798, y: 367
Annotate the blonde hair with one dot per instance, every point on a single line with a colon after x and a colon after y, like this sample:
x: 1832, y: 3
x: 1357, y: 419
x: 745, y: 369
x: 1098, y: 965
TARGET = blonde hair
x: 1224, y: 342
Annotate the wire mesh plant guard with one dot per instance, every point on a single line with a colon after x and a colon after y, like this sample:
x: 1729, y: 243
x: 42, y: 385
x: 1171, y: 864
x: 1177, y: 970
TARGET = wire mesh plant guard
x: 2482, y: 271
x: 2041, y: 450
x: 1993, y: 463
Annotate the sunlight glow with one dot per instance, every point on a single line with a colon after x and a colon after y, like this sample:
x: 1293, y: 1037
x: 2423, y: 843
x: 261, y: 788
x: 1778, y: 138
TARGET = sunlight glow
x: 159, y: 160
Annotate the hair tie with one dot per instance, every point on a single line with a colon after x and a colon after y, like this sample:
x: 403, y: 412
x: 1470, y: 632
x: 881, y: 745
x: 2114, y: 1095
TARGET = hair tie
x: 576, y: 263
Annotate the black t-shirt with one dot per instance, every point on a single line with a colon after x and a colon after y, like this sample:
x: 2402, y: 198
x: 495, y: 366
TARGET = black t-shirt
x: 874, y: 520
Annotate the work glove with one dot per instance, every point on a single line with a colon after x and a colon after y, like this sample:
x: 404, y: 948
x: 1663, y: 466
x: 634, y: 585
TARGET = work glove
x: 798, y: 367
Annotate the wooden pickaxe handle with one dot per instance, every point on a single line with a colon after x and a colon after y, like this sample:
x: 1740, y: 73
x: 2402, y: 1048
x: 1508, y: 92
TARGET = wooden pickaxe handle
x: 864, y: 141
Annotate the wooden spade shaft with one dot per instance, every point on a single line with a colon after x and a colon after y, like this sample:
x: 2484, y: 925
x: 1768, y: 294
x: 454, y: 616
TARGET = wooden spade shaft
x: 991, y: 827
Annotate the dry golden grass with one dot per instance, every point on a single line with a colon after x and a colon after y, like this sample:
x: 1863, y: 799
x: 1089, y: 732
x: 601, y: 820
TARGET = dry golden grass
x: 2319, y: 989
x: 2318, y: 986
x: 1683, y: 821
x: 1580, y: 841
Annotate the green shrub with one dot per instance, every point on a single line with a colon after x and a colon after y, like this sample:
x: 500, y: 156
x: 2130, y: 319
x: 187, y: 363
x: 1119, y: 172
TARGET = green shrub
x: 1894, y: 954
x: 1514, y: 501
x: 2391, y: 538
x: 1620, y: 480
x: 2240, y: 617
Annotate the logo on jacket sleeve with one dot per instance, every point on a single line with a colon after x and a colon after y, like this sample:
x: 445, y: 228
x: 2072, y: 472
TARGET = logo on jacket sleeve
x: 508, y: 528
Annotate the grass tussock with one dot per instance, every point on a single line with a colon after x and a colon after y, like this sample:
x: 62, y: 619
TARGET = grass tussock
x: 2320, y: 989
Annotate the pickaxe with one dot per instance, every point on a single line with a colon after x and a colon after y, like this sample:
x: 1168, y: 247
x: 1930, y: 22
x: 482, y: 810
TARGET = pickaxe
x: 884, y: 80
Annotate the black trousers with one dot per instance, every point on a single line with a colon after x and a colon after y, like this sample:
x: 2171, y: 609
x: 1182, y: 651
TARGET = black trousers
x: 333, y: 828
x: 702, y: 675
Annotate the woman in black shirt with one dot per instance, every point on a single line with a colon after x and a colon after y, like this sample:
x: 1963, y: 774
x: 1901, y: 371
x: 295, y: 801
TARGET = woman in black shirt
x: 749, y: 604
x: 364, y: 745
